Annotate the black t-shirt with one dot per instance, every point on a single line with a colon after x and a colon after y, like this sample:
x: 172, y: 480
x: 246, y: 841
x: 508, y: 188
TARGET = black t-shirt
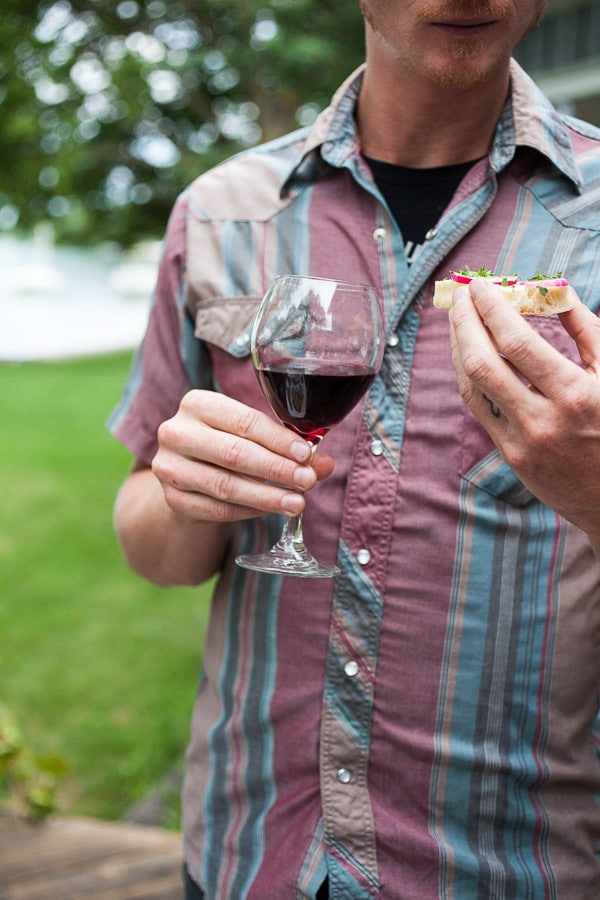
x: 417, y: 197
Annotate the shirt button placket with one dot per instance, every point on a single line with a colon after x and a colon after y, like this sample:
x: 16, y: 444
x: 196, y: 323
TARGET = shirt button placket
x: 346, y: 726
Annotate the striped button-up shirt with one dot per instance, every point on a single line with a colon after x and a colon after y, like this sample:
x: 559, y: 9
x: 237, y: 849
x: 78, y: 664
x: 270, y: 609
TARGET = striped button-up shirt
x: 426, y: 724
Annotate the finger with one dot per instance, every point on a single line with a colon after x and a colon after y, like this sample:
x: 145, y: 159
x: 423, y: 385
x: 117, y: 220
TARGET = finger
x: 535, y: 359
x: 234, y: 454
x: 269, y: 434
x: 199, y: 507
x: 584, y: 327
x: 488, y: 383
x: 469, y: 379
x: 323, y: 464
x: 209, y: 492
x: 189, y: 453
x: 225, y: 414
x: 474, y: 350
x: 190, y: 436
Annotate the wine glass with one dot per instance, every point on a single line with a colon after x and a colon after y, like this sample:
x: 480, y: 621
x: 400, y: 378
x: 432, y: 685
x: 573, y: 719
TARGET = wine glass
x: 316, y: 347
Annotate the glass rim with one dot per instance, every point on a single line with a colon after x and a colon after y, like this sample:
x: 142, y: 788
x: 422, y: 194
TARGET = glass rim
x: 354, y: 285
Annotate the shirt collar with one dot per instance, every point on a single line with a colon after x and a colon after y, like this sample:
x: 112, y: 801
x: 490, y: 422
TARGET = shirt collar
x: 332, y: 139
x: 528, y: 120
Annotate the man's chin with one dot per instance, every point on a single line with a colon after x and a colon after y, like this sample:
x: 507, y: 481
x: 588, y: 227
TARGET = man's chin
x: 463, y: 67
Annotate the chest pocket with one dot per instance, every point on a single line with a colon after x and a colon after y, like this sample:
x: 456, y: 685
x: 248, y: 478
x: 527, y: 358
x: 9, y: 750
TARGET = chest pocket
x: 481, y: 463
x: 226, y: 322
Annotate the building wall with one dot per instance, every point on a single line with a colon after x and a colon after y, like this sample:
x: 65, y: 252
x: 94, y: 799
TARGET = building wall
x: 563, y: 56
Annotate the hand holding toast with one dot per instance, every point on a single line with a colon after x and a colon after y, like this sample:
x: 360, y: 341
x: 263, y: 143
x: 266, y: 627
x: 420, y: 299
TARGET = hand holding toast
x: 541, y: 410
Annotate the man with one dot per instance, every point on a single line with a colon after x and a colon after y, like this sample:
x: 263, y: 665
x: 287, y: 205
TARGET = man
x: 423, y: 725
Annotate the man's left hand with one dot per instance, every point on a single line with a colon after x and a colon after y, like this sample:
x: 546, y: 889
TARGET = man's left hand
x: 541, y: 410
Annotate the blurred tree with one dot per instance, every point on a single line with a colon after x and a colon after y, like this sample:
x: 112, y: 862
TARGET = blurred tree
x: 109, y: 109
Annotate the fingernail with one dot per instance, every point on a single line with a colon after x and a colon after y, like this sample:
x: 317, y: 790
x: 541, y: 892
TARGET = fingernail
x: 300, y: 451
x: 292, y: 504
x: 305, y: 477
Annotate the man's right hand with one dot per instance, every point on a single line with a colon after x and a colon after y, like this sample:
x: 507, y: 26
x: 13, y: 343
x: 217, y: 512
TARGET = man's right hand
x: 218, y: 462
x: 222, y: 461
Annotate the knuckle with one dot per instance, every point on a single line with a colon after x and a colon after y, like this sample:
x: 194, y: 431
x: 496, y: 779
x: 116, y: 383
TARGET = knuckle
x: 539, y: 438
x: 233, y: 454
x: 516, y: 454
x: 247, y: 421
x: 220, y: 512
x: 277, y: 472
x: 166, y: 433
x: 476, y: 368
x: 194, y: 406
x: 465, y: 389
x: 173, y: 498
x: 580, y: 404
x: 160, y: 467
x: 157, y: 466
x: 516, y: 345
x: 192, y: 400
x: 224, y: 487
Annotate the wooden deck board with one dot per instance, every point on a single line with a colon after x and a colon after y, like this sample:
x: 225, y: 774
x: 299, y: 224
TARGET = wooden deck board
x: 64, y: 859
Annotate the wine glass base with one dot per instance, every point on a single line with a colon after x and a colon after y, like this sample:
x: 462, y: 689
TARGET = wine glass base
x: 304, y: 566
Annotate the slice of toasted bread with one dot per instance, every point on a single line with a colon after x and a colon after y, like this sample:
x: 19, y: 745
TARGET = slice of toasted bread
x: 530, y: 298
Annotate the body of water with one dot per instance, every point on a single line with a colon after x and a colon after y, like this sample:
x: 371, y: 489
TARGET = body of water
x: 60, y: 302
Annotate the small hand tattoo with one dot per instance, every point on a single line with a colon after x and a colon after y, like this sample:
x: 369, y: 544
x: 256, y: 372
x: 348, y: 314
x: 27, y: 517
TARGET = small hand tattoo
x: 495, y: 411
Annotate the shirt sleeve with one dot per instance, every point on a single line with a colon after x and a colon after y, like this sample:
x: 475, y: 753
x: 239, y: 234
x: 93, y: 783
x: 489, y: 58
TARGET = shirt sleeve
x: 162, y: 371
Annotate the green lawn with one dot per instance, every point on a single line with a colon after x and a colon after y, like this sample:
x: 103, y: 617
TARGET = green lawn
x: 97, y: 666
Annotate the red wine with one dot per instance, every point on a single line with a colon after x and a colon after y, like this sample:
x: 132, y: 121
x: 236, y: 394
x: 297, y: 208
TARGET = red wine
x: 310, y: 396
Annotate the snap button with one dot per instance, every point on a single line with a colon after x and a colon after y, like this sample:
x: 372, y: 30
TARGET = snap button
x: 377, y: 448
x: 363, y: 557
x: 344, y: 776
x: 379, y: 234
x: 393, y: 340
x: 351, y: 668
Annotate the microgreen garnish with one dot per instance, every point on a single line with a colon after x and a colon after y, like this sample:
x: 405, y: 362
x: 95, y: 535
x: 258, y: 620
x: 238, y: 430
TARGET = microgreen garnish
x: 539, y: 276
x: 507, y: 280
x: 479, y: 273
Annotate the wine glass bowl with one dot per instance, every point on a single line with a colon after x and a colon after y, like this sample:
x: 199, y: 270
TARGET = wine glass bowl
x: 316, y: 346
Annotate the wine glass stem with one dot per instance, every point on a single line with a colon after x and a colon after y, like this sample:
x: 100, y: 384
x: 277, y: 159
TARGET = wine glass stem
x: 292, y: 539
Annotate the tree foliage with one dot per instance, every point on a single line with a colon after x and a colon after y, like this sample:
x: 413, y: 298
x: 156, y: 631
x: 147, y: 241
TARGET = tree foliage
x: 110, y: 109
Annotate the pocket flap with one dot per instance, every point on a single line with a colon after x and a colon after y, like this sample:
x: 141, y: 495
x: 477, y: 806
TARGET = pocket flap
x: 226, y: 322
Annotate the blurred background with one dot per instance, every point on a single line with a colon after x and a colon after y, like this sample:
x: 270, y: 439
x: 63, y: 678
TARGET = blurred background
x: 107, y: 111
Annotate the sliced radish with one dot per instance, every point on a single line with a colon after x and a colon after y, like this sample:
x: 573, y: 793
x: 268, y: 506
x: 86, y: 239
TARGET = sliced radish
x: 547, y: 282
x: 460, y: 279
x: 495, y: 279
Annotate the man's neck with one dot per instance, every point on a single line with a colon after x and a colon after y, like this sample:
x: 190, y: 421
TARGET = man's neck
x: 425, y: 125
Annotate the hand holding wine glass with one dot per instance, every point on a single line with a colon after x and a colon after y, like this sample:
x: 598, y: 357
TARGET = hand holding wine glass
x: 317, y: 345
